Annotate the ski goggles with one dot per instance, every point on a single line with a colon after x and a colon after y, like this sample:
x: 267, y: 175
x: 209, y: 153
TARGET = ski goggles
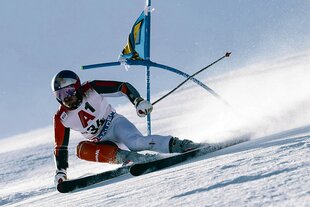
x: 65, y: 93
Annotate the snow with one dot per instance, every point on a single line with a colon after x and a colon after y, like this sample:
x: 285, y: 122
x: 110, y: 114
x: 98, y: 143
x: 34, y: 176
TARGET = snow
x: 269, y: 101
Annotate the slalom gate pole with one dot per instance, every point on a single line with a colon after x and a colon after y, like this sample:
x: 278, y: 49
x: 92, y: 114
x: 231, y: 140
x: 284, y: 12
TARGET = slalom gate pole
x: 147, y: 46
x: 164, y: 96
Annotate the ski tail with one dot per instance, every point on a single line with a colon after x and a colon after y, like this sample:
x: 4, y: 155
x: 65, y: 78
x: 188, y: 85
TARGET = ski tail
x: 228, y: 143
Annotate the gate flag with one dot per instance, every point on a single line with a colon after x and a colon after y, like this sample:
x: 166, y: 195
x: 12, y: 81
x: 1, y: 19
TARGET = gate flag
x: 135, y: 47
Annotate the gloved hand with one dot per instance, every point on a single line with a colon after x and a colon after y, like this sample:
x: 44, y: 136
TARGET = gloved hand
x: 143, y: 107
x: 61, y: 175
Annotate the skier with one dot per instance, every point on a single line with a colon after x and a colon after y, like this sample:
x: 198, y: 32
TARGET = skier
x: 84, y: 108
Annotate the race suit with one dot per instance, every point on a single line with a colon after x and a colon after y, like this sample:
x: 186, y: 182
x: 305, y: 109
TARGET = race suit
x: 98, y: 121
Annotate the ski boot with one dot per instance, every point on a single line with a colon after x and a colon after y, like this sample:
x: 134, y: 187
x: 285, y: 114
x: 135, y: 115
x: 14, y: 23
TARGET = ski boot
x: 179, y: 146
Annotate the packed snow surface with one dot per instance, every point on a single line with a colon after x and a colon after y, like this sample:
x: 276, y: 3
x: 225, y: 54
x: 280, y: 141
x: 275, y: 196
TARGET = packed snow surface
x: 268, y: 101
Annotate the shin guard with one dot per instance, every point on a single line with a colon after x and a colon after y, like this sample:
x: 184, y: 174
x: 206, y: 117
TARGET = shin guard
x: 97, y: 152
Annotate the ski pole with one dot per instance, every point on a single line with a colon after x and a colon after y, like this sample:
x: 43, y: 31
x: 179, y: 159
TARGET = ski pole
x: 164, y: 96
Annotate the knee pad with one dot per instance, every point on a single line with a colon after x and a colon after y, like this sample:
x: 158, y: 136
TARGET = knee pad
x: 97, y: 152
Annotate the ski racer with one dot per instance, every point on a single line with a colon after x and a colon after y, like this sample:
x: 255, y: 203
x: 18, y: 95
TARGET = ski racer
x: 84, y: 108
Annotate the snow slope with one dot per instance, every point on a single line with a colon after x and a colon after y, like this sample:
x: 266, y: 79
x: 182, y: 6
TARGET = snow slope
x: 270, y: 101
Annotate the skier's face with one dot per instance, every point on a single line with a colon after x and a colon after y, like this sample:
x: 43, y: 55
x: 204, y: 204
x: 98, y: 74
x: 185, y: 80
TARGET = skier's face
x: 68, y: 97
x: 71, y: 102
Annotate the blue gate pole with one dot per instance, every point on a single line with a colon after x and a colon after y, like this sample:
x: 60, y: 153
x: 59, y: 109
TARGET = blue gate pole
x: 148, y: 96
x: 147, y: 57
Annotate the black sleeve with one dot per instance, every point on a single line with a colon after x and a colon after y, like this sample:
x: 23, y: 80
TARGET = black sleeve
x: 61, y: 134
x: 115, y: 87
x: 61, y: 159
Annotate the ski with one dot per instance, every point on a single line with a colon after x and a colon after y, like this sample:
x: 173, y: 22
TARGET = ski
x: 141, y: 168
x: 144, y: 168
x: 78, y: 183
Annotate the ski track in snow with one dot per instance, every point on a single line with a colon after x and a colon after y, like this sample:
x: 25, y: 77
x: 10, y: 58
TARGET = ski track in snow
x: 269, y: 101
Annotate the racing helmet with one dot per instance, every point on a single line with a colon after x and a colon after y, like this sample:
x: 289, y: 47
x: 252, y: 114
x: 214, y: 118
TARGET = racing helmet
x: 65, y: 86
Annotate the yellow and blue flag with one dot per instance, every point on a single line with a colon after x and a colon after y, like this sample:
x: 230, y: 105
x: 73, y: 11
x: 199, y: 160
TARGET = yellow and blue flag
x: 135, y: 47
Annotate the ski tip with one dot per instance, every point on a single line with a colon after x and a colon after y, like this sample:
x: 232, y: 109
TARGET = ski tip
x: 60, y: 188
x: 63, y: 187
